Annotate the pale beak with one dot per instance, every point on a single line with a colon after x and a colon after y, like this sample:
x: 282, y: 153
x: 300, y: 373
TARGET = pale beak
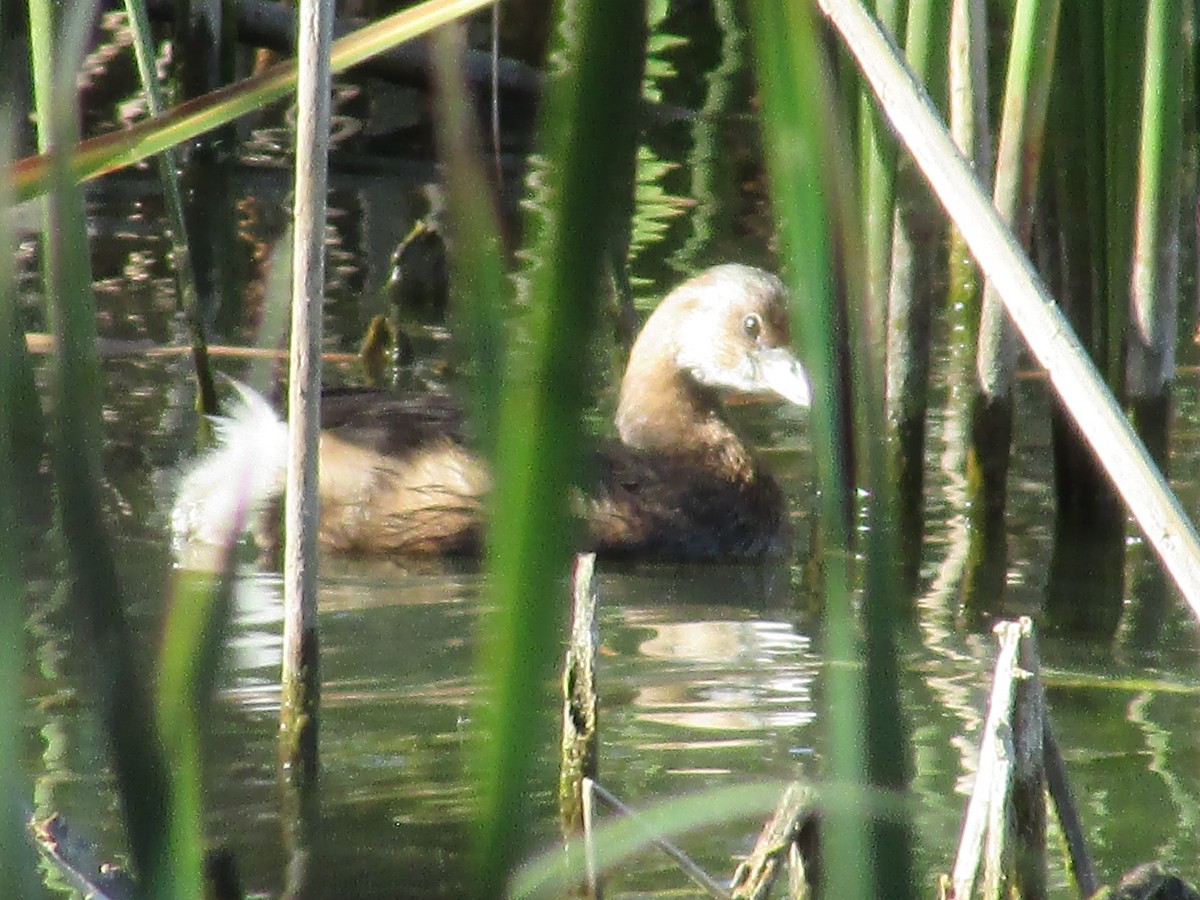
x: 779, y: 371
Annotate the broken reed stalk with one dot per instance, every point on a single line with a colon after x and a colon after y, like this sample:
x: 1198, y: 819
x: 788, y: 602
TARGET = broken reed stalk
x: 301, y: 679
x: 580, y: 737
x: 1005, y: 825
x: 1029, y: 776
x: 590, y: 866
x: 791, y: 832
x: 994, y: 774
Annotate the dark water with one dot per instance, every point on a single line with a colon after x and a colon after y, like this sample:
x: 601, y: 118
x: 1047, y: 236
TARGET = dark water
x: 709, y: 676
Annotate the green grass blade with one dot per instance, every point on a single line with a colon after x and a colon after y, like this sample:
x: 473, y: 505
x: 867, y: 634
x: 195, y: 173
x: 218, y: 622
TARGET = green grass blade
x: 188, y: 662
x: 796, y: 105
x: 618, y: 839
x: 18, y: 466
x: 478, y: 282
x: 1155, y: 287
x: 588, y: 131
x: 95, y: 590
x: 181, y: 254
x: 110, y: 152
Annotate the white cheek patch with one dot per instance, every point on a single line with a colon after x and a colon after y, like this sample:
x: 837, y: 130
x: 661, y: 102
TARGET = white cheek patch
x: 708, y: 352
x: 737, y: 374
x: 701, y: 350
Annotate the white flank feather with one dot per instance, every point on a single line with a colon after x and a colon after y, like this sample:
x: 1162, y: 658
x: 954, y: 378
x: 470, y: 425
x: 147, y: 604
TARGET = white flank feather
x: 228, y: 484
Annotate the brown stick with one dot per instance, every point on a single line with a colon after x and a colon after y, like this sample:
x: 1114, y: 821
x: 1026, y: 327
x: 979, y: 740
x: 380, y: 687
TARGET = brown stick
x: 793, y: 827
x: 42, y: 343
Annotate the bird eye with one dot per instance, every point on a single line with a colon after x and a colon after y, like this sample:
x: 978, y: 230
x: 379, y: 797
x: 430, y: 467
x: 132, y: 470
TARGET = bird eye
x: 752, y: 326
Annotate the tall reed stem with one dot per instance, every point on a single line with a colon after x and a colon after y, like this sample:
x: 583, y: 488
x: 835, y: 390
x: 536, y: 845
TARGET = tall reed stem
x: 301, y: 679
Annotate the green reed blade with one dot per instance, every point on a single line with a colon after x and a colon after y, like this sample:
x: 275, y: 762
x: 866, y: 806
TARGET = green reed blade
x: 796, y: 107
x: 168, y: 167
x: 1154, y: 283
x: 110, y: 152
x: 877, y: 163
x: 587, y: 134
x: 19, y: 457
x: 188, y: 662
x: 95, y: 590
x: 1123, y: 26
x: 479, y: 284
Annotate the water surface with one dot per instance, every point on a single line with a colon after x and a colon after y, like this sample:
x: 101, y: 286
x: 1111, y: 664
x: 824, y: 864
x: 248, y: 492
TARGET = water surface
x: 709, y: 675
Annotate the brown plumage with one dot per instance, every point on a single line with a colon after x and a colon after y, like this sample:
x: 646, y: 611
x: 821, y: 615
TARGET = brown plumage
x: 397, y: 478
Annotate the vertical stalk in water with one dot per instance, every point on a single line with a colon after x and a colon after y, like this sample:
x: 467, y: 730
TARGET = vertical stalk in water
x: 1100, y: 96
x: 204, y: 45
x: 1155, y: 295
x: 301, y: 678
x: 968, y: 115
x: 915, y: 251
x: 579, y: 750
x: 1150, y: 367
x: 1026, y: 90
x: 181, y: 253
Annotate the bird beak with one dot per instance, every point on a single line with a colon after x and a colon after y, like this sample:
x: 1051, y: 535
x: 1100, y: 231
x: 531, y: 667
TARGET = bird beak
x: 780, y: 372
